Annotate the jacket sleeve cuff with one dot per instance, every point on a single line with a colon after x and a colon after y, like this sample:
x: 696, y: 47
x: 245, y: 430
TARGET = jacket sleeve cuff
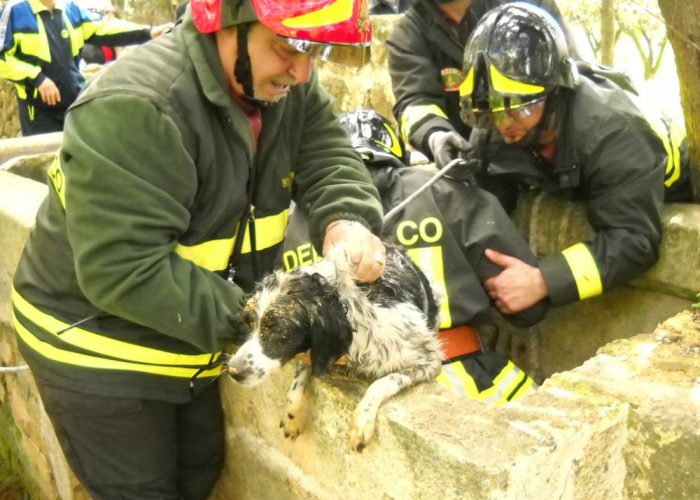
x: 38, y: 79
x: 559, y: 279
x: 419, y: 137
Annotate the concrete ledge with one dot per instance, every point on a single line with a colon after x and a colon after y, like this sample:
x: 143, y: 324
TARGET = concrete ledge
x: 35, y: 144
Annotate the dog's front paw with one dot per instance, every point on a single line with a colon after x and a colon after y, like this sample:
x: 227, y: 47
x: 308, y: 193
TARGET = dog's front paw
x: 294, y: 419
x: 361, y: 429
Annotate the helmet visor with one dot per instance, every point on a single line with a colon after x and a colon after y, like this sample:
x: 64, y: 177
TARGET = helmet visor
x: 355, y: 55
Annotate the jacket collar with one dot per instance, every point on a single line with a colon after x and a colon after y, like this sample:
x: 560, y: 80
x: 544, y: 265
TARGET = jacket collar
x: 202, y: 52
x: 37, y: 6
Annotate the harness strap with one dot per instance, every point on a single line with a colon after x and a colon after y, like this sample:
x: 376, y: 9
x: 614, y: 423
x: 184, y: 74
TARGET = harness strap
x: 459, y: 341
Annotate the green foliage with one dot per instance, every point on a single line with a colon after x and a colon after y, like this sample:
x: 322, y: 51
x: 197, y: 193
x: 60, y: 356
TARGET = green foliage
x: 697, y: 304
x: 10, y: 469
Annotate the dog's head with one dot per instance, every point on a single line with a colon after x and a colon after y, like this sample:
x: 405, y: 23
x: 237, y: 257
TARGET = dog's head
x: 290, y: 314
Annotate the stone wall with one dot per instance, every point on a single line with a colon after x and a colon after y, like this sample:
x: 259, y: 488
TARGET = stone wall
x: 617, y: 416
x: 9, y: 121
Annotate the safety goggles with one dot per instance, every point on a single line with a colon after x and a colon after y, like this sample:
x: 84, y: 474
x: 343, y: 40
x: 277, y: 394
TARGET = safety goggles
x: 355, y: 55
x: 500, y: 111
x: 503, y: 111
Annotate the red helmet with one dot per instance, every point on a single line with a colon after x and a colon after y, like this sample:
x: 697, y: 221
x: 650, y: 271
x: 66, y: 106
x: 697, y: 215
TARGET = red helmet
x: 334, y: 30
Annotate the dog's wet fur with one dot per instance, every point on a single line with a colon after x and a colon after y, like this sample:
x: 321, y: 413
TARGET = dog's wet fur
x: 386, y: 329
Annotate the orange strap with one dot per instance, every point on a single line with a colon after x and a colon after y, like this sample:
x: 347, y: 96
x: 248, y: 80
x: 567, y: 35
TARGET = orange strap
x: 455, y: 343
x: 459, y: 341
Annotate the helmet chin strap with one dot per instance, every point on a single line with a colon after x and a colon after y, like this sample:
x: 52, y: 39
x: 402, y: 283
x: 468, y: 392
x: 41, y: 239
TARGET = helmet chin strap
x: 242, y: 71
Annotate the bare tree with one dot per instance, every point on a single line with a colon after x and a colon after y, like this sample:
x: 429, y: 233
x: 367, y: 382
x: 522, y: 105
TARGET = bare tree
x: 683, y: 27
x: 641, y: 21
x: 607, y: 32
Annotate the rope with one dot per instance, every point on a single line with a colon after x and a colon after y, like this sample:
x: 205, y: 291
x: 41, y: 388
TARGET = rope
x: 13, y: 369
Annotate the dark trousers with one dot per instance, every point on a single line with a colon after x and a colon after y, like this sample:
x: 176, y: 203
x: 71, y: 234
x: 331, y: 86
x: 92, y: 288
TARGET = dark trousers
x: 122, y: 448
x: 39, y: 120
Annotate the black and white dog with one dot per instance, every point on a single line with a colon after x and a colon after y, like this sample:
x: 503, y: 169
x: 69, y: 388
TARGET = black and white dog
x: 387, y: 330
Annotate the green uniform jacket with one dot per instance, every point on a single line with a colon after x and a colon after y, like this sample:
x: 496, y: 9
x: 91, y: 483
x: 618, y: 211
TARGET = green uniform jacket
x: 445, y: 230
x: 608, y: 157
x: 426, y: 55
x: 142, y: 214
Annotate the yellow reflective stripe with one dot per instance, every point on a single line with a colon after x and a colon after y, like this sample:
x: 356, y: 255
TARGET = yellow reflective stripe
x: 503, y: 384
x: 17, y: 70
x: 584, y: 269
x: 395, y: 147
x: 58, y: 180
x: 109, y: 27
x: 34, y: 44
x: 414, y: 114
x: 677, y: 134
x: 672, y: 137
x: 466, y: 88
x: 528, y: 387
x: 37, y: 6
x: 84, y: 360
x: 336, y: 12
x: 454, y: 376
x: 76, y: 36
x: 429, y: 260
x: 504, y: 85
x: 90, y: 341
x: 508, y: 386
x: 214, y: 254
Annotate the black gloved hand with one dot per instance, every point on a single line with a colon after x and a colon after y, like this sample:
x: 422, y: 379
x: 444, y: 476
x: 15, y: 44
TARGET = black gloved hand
x: 446, y: 146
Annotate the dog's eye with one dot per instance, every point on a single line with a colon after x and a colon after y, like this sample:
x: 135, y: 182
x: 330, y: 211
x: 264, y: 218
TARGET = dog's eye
x: 250, y: 318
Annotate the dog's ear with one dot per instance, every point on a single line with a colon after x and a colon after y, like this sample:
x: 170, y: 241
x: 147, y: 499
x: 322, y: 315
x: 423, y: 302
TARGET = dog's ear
x: 330, y: 332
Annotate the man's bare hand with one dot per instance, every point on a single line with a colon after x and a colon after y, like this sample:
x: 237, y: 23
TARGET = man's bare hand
x: 49, y: 92
x: 518, y: 287
x: 156, y: 31
x: 365, y: 250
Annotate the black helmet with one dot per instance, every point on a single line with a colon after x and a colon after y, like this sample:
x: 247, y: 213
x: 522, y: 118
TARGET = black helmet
x: 374, y: 138
x: 515, y: 57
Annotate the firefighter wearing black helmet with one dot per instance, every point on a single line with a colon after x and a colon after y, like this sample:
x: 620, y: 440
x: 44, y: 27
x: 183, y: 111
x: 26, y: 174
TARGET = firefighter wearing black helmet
x: 425, y: 62
x: 445, y: 231
x: 540, y: 122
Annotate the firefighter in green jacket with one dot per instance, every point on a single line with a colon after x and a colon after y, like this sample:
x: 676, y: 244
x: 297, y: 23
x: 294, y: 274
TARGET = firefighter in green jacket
x: 445, y: 231
x: 40, y: 49
x: 425, y: 62
x: 544, y: 121
x: 133, y: 280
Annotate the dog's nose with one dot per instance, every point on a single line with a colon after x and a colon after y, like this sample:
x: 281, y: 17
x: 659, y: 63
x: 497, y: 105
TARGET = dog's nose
x: 237, y: 372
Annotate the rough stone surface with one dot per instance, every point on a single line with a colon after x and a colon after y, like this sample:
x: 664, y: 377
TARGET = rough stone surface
x: 616, y: 418
x: 9, y: 121
x: 599, y: 430
x: 11, y: 149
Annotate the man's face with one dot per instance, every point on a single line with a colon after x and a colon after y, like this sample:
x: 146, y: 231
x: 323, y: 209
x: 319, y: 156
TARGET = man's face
x: 275, y: 65
x: 514, y: 124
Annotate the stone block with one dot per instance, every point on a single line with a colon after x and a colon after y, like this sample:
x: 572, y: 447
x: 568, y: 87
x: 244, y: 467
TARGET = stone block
x: 32, y: 145
x: 19, y: 200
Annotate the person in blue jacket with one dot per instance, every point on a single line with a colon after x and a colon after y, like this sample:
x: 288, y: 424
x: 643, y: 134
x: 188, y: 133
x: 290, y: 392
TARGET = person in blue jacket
x: 40, y: 47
